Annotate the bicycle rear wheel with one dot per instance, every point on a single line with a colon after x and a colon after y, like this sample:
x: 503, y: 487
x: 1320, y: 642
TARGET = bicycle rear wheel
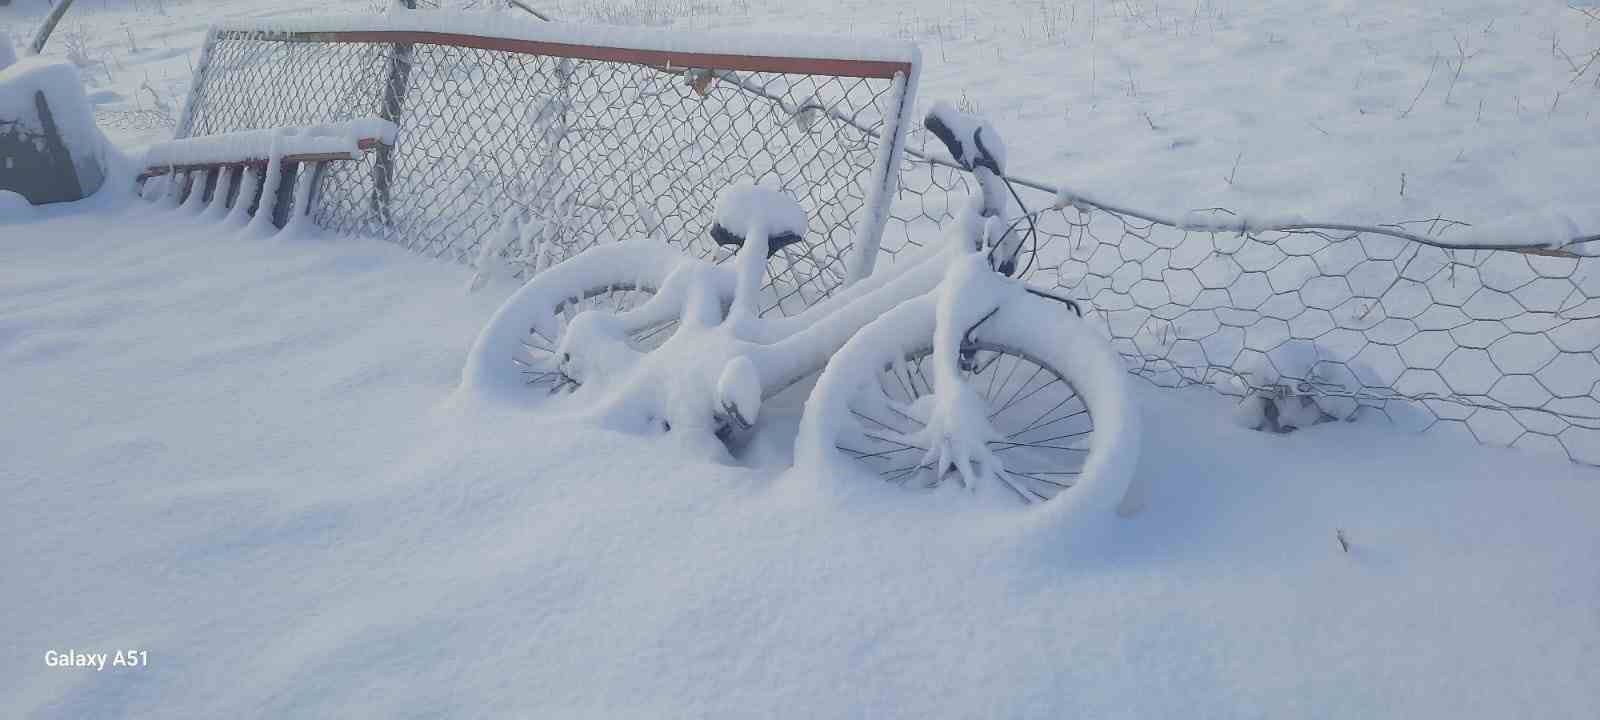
x: 516, y: 349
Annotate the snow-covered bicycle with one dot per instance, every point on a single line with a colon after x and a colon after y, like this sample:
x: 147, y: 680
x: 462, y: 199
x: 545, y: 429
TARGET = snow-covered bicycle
x: 940, y: 367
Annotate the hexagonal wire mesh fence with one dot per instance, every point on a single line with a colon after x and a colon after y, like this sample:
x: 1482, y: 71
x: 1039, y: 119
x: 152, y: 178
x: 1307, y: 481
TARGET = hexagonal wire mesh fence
x: 580, y: 146
x: 1392, y: 321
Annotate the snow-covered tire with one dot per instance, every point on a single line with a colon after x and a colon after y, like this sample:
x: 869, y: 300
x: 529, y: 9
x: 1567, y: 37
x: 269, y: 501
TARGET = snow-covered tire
x: 1057, y: 390
x: 506, y: 358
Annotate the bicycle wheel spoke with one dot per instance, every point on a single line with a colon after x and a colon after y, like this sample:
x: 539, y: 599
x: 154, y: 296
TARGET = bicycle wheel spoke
x: 1041, y: 426
x: 1012, y: 446
x: 1034, y: 425
x: 877, y: 422
x: 537, y: 346
x: 1035, y: 391
x: 864, y: 455
x: 925, y: 383
x: 1020, y: 492
x: 891, y: 371
x: 899, y: 476
x: 1055, y: 438
x: 1036, y: 478
x: 908, y: 418
x: 902, y: 446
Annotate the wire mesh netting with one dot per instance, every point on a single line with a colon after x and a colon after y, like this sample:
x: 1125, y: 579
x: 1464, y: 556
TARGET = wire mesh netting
x: 579, y: 151
x: 1497, y: 345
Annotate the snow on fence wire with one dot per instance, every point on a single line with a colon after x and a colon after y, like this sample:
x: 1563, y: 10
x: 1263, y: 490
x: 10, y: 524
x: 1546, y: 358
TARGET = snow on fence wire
x: 1431, y: 324
x: 582, y: 134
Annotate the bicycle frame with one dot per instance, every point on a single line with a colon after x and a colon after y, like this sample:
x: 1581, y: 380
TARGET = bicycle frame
x: 785, y: 350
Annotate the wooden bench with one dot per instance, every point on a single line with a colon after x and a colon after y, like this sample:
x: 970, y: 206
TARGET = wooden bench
x: 200, y: 163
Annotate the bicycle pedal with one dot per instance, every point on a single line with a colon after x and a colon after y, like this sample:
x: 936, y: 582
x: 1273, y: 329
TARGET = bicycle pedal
x: 731, y: 419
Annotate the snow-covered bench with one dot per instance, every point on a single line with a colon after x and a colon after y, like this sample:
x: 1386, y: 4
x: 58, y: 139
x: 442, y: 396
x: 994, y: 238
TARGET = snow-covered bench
x: 200, y: 166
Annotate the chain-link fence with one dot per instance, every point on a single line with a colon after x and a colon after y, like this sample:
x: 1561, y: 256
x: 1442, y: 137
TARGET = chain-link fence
x: 1498, y: 345
x: 580, y: 149
x: 1394, y: 321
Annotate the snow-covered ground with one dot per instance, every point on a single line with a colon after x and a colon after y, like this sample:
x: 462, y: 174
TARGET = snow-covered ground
x: 238, y: 453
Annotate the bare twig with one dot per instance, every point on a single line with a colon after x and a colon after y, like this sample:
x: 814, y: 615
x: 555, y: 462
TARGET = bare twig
x: 1424, y: 87
x: 1462, y: 56
x: 518, y: 4
x: 1593, y: 14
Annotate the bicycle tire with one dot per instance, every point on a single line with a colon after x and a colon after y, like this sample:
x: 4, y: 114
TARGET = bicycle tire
x: 619, y: 277
x: 1065, y: 366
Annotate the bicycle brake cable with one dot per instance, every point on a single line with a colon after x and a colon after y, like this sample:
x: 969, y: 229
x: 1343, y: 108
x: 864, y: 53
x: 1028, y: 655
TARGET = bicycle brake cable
x: 1033, y: 228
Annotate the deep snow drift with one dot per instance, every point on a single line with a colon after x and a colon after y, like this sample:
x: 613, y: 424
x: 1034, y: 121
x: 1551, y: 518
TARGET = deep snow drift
x: 236, y: 453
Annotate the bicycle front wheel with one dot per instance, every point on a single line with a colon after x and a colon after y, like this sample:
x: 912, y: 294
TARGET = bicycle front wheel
x: 1062, y: 422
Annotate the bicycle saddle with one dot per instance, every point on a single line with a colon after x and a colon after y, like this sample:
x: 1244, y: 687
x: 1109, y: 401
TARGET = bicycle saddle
x: 779, y: 241
x: 741, y: 205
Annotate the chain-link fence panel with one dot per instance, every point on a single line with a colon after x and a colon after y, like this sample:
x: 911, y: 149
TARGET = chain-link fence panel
x: 580, y: 147
x: 1497, y: 345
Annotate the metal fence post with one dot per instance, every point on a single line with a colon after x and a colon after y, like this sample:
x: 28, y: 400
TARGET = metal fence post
x: 42, y: 35
x: 394, y: 94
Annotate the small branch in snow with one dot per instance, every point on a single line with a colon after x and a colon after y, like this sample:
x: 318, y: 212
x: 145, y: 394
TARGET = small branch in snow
x: 518, y: 4
x: 1462, y: 56
x: 1424, y: 88
x: 1235, y: 169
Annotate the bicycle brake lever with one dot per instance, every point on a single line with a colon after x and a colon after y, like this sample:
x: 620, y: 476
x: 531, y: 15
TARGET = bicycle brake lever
x: 1069, y: 302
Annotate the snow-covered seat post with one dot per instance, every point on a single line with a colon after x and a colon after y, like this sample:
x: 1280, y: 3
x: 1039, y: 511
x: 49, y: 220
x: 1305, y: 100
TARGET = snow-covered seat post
x: 261, y: 168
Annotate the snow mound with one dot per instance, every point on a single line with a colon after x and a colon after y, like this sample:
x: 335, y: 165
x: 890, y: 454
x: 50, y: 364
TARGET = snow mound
x: 13, y: 206
x: 31, y: 151
x: 742, y: 205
